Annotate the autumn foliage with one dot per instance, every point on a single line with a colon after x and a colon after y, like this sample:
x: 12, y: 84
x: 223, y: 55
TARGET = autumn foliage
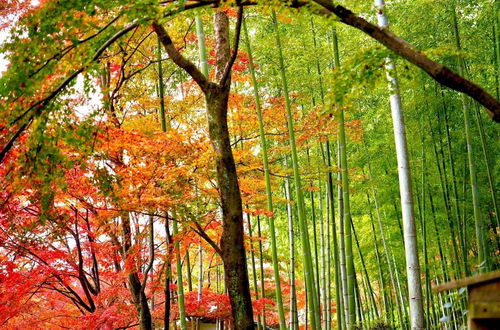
x: 82, y: 184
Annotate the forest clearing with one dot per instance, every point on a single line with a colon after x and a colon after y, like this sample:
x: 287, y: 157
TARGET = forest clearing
x: 249, y: 164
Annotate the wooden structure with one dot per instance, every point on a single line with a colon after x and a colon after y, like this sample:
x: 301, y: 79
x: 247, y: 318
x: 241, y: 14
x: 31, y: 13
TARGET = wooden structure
x: 484, y: 299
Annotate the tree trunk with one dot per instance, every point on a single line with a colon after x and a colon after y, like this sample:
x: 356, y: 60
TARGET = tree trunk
x: 216, y: 97
x: 232, y: 244
x: 135, y: 285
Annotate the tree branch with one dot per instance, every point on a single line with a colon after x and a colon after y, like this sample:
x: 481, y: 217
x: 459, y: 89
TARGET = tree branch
x: 401, y: 47
x: 151, y: 254
x: 200, y: 231
x: 9, y: 144
x: 45, y: 101
x: 237, y: 32
x: 177, y: 57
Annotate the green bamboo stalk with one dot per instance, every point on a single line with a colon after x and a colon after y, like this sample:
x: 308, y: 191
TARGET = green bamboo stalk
x: 480, y: 126
x: 188, y: 271
x: 161, y: 88
x: 261, y: 258
x: 464, y: 211
x: 428, y: 292
x: 294, y: 322
x: 358, y: 302
x: 444, y: 267
x: 254, y: 270
x: 328, y: 266
x: 323, y: 243
x: 315, y: 238
x: 338, y: 283
x: 204, y: 69
x: 332, y: 257
x: 386, y: 250
x: 370, y: 293
x: 201, y: 46
x: 404, y: 321
x: 379, y: 261
x: 343, y: 270
x: 454, y: 181
x: 336, y: 263
x: 351, y: 317
x: 306, y: 247
x: 482, y: 255
x: 370, y: 314
x: 168, y: 268
x: 168, y: 278
x: 265, y: 159
x: 447, y: 195
x: 496, y: 43
x: 442, y: 180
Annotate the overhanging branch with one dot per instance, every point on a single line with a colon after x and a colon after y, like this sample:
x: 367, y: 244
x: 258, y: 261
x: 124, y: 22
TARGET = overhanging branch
x: 401, y: 47
x: 200, y: 231
x: 39, y: 105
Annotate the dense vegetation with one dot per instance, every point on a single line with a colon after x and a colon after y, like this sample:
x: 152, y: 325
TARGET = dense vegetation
x: 169, y: 163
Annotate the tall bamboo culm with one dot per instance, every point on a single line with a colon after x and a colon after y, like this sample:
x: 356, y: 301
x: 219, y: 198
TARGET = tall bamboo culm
x: 306, y: 246
x: 265, y: 159
x: 410, y: 235
x: 350, y: 275
x: 481, y: 244
x: 180, y: 286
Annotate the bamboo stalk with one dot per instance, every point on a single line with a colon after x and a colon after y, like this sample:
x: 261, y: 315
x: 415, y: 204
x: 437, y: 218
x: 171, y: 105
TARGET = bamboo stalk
x: 306, y: 247
x: 265, y: 159
x: 410, y: 241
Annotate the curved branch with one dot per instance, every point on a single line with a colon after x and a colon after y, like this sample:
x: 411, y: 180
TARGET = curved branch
x: 39, y: 105
x: 237, y: 32
x: 9, y: 144
x: 177, y: 57
x: 200, y: 231
x: 403, y: 48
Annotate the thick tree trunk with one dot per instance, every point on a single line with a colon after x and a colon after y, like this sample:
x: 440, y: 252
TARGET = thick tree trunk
x: 216, y: 97
x: 232, y: 243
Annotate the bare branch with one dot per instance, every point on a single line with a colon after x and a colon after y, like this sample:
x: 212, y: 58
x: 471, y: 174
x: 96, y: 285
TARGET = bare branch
x: 151, y: 254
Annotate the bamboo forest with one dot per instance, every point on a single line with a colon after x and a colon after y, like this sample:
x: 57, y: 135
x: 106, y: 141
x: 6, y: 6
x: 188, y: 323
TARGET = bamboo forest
x: 249, y: 164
